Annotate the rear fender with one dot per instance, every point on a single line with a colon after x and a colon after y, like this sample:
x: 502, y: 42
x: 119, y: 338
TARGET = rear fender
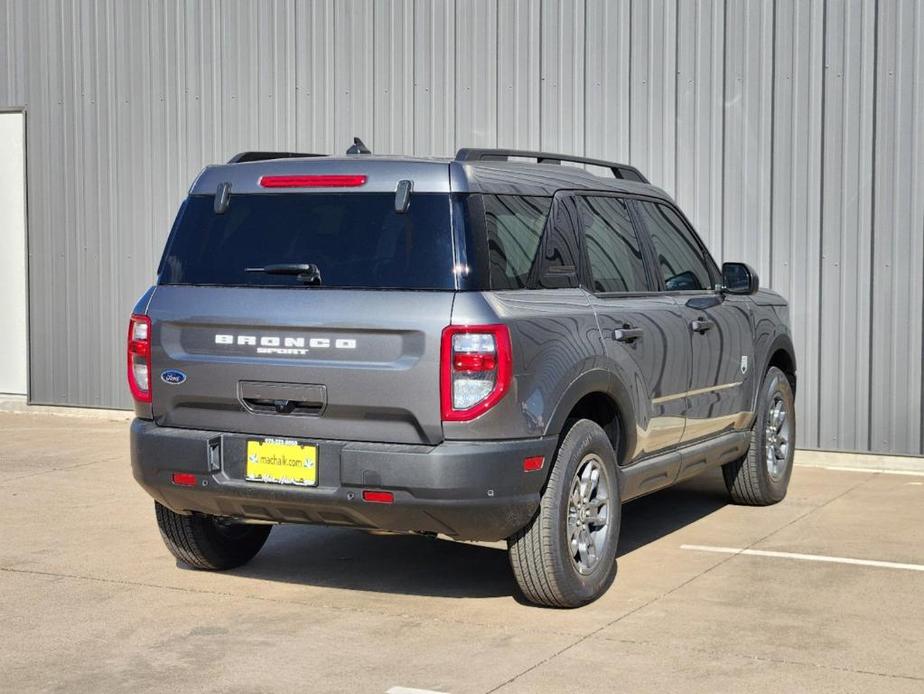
x: 598, y: 381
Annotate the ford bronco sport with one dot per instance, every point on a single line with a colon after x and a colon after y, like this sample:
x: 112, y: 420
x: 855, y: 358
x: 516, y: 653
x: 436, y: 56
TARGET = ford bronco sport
x: 500, y: 346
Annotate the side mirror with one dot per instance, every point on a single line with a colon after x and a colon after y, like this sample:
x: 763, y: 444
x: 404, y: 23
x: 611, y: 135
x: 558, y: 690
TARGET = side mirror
x: 738, y: 278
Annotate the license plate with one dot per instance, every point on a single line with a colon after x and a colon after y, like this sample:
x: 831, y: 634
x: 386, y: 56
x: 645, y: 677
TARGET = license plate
x: 281, y: 461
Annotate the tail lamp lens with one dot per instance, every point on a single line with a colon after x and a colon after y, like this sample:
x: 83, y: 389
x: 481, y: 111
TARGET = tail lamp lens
x: 139, y: 358
x: 476, y: 370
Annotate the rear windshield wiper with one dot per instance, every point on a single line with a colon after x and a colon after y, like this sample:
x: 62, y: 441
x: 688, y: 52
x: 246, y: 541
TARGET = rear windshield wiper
x: 304, y: 272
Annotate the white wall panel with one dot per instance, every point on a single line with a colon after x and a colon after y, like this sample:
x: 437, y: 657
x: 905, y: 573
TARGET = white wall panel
x: 897, y: 273
x: 846, y: 225
x: 700, y: 109
x: 353, y: 72
x: 393, y: 109
x: 795, y: 212
x: 653, y: 91
x: 518, y: 74
x: 315, y: 77
x: 258, y: 64
x: 476, y: 73
x: 13, y: 54
x: 607, y: 57
x: 561, y: 103
x: 748, y: 133
x: 434, y: 77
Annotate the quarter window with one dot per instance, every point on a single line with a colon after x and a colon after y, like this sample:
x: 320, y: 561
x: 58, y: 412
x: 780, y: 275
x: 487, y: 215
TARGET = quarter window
x: 616, y: 263
x: 680, y: 258
x: 514, y: 228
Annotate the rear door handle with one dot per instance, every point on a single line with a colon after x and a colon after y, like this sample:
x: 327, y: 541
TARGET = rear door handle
x: 282, y: 398
x: 701, y: 325
x: 628, y: 334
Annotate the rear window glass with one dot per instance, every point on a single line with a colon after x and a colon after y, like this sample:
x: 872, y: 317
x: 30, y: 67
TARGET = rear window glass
x: 356, y: 240
x: 514, y: 226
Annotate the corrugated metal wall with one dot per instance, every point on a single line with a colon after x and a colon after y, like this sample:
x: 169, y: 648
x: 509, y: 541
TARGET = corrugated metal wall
x: 791, y: 131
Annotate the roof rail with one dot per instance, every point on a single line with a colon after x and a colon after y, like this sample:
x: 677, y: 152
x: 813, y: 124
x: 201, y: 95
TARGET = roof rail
x: 263, y: 156
x: 623, y: 171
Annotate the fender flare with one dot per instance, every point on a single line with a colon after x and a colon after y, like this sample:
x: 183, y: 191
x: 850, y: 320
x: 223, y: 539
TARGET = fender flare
x: 781, y: 342
x: 597, y: 381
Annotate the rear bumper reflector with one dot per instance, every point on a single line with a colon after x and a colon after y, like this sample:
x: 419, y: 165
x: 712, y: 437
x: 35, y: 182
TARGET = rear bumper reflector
x: 377, y: 497
x: 184, y: 479
x: 534, y: 463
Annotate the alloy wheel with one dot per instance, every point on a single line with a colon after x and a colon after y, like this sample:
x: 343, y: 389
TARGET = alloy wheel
x: 778, y: 434
x: 588, y: 513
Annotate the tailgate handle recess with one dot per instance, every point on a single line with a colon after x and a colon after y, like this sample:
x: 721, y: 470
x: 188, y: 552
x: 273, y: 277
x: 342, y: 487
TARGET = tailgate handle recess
x: 283, y: 398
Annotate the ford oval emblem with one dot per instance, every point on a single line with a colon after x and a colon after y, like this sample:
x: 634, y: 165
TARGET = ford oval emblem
x: 174, y: 377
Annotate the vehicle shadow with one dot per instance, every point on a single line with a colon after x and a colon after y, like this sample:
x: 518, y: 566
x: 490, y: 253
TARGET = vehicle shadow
x: 657, y: 515
x: 417, y: 565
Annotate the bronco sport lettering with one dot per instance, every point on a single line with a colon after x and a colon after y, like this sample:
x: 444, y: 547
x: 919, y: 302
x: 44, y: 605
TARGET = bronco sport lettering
x: 284, y: 345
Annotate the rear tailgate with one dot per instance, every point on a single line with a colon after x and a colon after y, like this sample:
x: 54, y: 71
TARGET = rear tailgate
x: 317, y: 363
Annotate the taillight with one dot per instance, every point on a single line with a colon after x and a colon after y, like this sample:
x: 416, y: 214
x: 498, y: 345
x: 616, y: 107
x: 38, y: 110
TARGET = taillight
x: 139, y: 358
x: 475, y: 370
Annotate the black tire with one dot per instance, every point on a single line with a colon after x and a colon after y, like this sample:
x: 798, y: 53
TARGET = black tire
x: 541, y: 553
x: 207, y: 542
x: 749, y: 480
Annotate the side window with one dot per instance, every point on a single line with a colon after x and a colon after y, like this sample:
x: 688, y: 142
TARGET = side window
x: 560, y: 247
x: 616, y: 263
x: 680, y: 258
x: 514, y: 228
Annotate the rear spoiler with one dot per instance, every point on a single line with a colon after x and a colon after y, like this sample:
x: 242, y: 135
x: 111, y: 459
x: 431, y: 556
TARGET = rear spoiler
x: 265, y: 156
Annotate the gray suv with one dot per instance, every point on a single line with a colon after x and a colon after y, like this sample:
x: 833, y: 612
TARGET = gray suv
x: 499, y: 346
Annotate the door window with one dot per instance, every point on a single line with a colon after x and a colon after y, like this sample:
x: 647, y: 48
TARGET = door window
x: 680, y: 258
x: 613, y: 250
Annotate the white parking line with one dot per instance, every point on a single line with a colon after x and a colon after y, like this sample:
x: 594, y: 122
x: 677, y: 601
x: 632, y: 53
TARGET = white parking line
x: 805, y: 557
x: 872, y: 470
x: 411, y: 690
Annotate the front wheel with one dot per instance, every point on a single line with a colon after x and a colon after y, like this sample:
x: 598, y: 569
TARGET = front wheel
x: 761, y: 477
x: 566, y: 556
x: 209, y: 542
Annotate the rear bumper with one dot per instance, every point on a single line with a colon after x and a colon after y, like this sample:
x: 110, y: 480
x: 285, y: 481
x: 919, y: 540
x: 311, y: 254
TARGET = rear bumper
x: 475, y: 490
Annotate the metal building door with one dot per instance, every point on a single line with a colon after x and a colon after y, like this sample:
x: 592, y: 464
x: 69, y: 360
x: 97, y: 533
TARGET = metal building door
x: 13, y: 339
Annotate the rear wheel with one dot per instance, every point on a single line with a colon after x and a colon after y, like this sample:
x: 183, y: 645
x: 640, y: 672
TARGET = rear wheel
x: 566, y: 556
x: 761, y: 477
x: 209, y: 542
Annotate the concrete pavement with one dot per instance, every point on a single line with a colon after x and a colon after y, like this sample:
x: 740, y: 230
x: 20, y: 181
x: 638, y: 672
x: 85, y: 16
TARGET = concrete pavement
x: 90, y: 600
